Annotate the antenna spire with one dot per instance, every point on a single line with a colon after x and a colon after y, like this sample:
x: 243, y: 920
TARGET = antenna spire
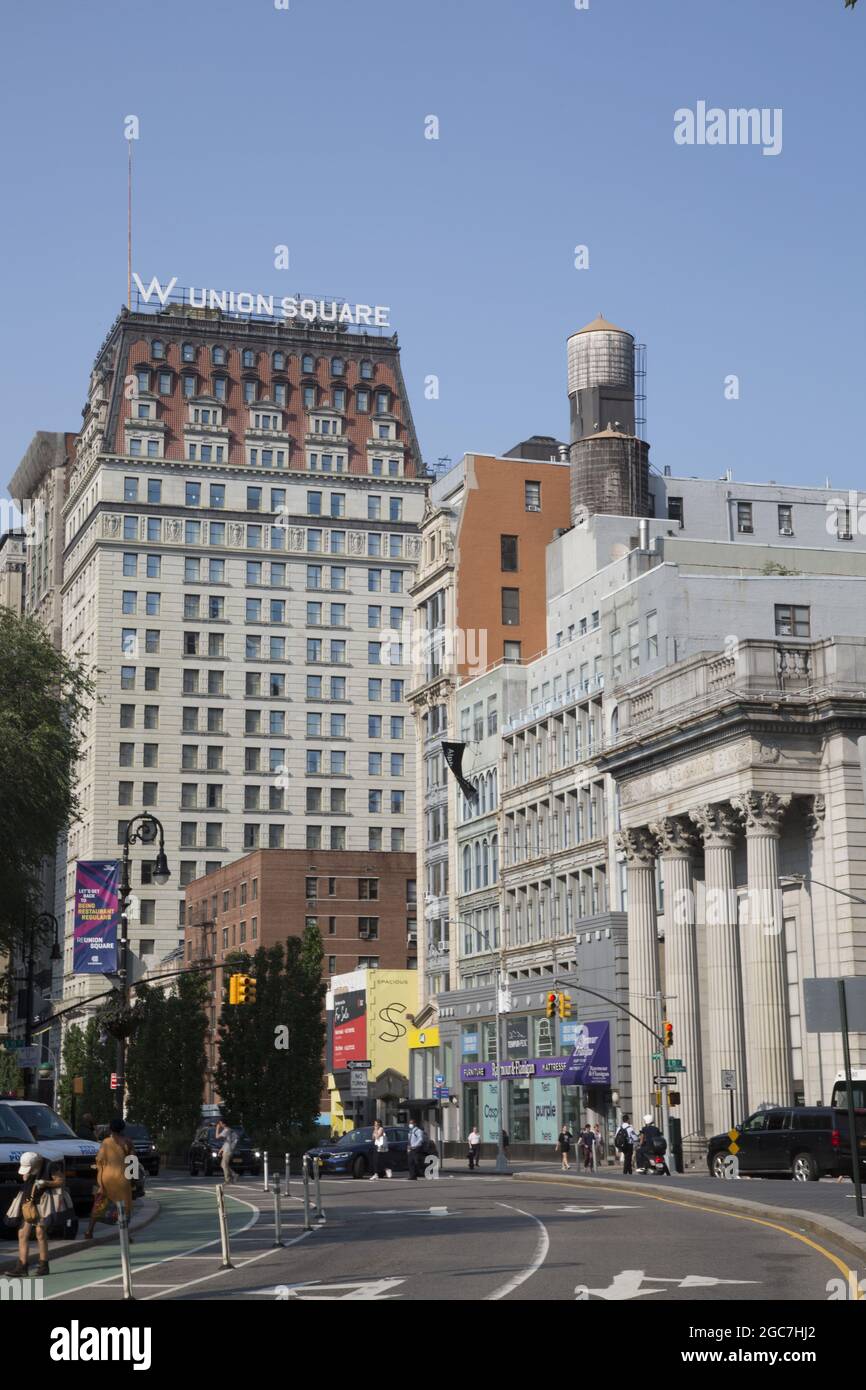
x: 129, y: 227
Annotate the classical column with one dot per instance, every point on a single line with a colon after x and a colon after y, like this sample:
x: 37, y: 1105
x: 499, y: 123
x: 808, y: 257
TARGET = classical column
x: 762, y: 942
x: 643, y: 959
x: 724, y: 998
x: 677, y: 842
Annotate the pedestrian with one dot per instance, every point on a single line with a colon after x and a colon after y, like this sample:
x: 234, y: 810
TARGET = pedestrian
x: 563, y: 1144
x: 227, y: 1138
x: 624, y: 1142
x: 33, y: 1207
x: 416, y: 1151
x: 87, y: 1129
x: 474, y: 1142
x: 586, y: 1144
x: 505, y: 1142
x: 651, y: 1142
x: 112, y: 1177
x: 598, y: 1151
x: 380, y: 1145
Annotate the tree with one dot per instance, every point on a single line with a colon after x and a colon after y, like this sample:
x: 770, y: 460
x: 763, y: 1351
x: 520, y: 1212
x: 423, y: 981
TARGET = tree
x: 87, y: 1053
x: 44, y: 697
x: 166, y: 1060
x: 272, y: 1089
x: 10, y: 1076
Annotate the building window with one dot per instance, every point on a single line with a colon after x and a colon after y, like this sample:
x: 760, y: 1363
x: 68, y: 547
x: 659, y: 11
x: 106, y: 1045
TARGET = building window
x: 508, y: 553
x: 792, y: 620
x: 786, y: 520
x: 744, y: 518
x: 652, y: 636
x: 532, y: 496
x: 675, y: 511
x: 511, y: 651
x: 511, y: 607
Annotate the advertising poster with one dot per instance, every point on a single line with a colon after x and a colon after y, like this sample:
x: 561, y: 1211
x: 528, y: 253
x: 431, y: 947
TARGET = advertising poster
x: 490, y: 1112
x: 543, y: 1101
x: 97, y: 917
x: 517, y: 1034
x: 349, y: 1029
x: 392, y: 995
x: 589, y: 1063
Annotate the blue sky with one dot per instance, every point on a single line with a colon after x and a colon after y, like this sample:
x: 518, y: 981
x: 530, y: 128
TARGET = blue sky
x: 306, y: 127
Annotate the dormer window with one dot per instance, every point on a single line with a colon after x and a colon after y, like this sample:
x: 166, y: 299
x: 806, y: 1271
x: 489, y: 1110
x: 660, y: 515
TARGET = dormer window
x: 187, y: 352
x: 338, y: 366
x: 279, y: 362
x: 248, y: 357
x: 308, y: 363
x: 143, y: 378
x: 366, y: 371
x: 157, y: 348
x: 218, y: 356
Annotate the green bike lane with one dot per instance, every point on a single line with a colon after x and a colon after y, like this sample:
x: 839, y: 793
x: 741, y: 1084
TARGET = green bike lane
x: 179, y: 1246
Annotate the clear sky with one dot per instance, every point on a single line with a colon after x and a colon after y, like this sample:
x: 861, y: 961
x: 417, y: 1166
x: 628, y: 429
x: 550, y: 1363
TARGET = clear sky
x: 306, y: 126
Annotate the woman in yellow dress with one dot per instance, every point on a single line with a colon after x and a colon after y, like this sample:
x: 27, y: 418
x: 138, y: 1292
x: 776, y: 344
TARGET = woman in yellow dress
x: 112, y: 1174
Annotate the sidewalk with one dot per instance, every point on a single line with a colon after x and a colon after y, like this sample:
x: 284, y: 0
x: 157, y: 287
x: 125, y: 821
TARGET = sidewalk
x: 143, y: 1212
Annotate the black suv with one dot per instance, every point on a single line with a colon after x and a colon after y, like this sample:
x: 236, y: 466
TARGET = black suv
x: 204, y: 1153
x: 144, y: 1148
x: 804, y: 1142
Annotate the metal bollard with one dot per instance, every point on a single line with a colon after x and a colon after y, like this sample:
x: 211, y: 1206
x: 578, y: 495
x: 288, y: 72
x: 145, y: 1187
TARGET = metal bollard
x: 123, y: 1232
x: 265, y: 1184
x: 306, y: 1167
x: 224, y: 1230
x: 278, y: 1229
x: 320, y: 1215
x: 288, y: 1159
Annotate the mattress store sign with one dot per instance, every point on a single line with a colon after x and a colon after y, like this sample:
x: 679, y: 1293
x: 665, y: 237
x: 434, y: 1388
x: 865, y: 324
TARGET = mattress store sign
x: 263, y: 306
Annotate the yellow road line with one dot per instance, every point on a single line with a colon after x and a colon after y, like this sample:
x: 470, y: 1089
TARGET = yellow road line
x: 719, y: 1211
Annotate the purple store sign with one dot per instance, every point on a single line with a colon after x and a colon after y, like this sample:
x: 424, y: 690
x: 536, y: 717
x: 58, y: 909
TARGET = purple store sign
x: 587, y: 1065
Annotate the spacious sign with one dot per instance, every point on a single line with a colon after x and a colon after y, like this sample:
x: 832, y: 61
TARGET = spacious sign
x: 97, y: 914
x: 263, y: 306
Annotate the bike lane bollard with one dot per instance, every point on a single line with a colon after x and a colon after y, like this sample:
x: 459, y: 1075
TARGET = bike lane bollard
x: 306, y: 1173
x: 224, y: 1229
x: 265, y: 1183
x: 320, y: 1215
x: 288, y: 1162
x: 278, y: 1228
x: 123, y: 1232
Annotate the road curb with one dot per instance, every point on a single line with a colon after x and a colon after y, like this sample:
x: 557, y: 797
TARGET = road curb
x: 142, y: 1214
x: 850, y: 1240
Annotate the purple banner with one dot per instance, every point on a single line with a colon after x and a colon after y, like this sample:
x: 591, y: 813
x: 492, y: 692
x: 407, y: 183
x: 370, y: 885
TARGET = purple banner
x: 589, y: 1063
x: 533, y: 1066
x: 97, y: 916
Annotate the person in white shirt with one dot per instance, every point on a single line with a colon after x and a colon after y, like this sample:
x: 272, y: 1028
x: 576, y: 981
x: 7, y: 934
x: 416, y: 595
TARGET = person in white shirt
x: 474, y: 1142
x: 380, y: 1145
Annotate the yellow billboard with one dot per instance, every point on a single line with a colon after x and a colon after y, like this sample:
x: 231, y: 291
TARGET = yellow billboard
x: 391, y: 996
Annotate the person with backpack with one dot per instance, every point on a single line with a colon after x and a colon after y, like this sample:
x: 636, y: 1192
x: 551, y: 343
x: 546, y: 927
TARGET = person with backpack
x: 228, y: 1139
x: 624, y: 1142
x: 416, y: 1148
x: 380, y: 1146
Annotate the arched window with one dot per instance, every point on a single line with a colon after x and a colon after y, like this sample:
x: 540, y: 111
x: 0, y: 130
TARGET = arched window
x: 494, y: 859
x: 494, y: 797
x: 477, y: 864
x: 467, y: 869
x: 157, y: 348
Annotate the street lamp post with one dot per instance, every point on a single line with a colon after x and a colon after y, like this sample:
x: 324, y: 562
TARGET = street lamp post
x: 143, y: 829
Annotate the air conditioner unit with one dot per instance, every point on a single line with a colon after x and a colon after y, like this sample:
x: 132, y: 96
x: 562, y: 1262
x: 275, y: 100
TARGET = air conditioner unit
x: 786, y: 530
x: 844, y: 535
x: 412, y: 937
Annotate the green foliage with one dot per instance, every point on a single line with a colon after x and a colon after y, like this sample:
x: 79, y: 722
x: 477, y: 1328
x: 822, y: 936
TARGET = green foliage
x: 10, y: 1076
x: 86, y: 1053
x: 275, y: 1091
x: 773, y: 567
x: 43, y: 699
x: 166, y: 1059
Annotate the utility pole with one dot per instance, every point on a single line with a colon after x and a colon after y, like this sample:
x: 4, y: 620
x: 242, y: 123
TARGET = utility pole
x: 660, y: 1024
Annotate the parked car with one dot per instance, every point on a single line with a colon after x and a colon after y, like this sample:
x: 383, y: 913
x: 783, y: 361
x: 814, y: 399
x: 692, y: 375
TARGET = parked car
x: 146, y: 1151
x: 204, y: 1152
x: 354, y: 1152
x: 803, y: 1142
x: 28, y: 1124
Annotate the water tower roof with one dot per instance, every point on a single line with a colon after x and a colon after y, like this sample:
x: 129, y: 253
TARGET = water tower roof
x: 601, y: 325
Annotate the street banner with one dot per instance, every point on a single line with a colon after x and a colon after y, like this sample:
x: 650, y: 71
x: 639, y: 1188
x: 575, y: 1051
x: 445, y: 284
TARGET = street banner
x: 453, y: 755
x: 589, y: 1063
x: 97, y: 917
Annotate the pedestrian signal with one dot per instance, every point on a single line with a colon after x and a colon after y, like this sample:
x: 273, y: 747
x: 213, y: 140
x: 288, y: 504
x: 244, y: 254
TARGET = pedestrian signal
x: 551, y: 1005
x: 246, y: 989
x: 673, y: 1097
x: 565, y: 1006
x: 669, y: 1034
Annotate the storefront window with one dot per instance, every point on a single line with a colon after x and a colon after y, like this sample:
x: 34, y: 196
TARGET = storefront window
x: 469, y: 1045
x: 571, y: 1106
x: 517, y: 1035
x: 471, y: 1116
x: 519, y: 1130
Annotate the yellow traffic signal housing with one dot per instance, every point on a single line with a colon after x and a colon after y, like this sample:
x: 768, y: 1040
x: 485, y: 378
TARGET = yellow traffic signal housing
x: 551, y: 1005
x: 565, y: 1006
x: 673, y: 1097
x: 246, y: 989
x: 234, y: 981
x: 669, y: 1034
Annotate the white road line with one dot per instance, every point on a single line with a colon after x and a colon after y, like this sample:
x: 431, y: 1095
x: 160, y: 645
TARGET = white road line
x: 541, y: 1249
x: 172, y: 1288
x: 154, y: 1264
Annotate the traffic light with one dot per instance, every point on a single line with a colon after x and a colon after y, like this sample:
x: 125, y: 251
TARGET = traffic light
x: 565, y: 1006
x: 551, y: 1005
x: 669, y: 1034
x: 246, y: 989
x: 234, y: 981
x: 673, y: 1097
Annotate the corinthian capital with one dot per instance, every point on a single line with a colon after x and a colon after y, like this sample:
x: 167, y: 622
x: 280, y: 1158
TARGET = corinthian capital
x: 716, y: 824
x: 761, y: 811
x: 638, y: 846
x: 675, y: 835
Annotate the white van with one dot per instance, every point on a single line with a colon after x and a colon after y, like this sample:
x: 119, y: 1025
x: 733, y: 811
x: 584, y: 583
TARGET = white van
x: 858, y: 1086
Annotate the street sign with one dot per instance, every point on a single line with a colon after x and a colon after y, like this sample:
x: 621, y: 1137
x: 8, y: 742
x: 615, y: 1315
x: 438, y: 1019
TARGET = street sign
x: 729, y: 1080
x: 733, y: 1147
x: 823, y: 1012
x: 665, y: 1080
x: 358, y: 1086
x: 674, y: 1064
x: 114, y: 1081
x: 359, y: 1066
x: 439, y: 1079
x: 656, y: 1056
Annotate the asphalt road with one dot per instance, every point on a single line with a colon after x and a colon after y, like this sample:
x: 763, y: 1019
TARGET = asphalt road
x: 458, y: 1238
